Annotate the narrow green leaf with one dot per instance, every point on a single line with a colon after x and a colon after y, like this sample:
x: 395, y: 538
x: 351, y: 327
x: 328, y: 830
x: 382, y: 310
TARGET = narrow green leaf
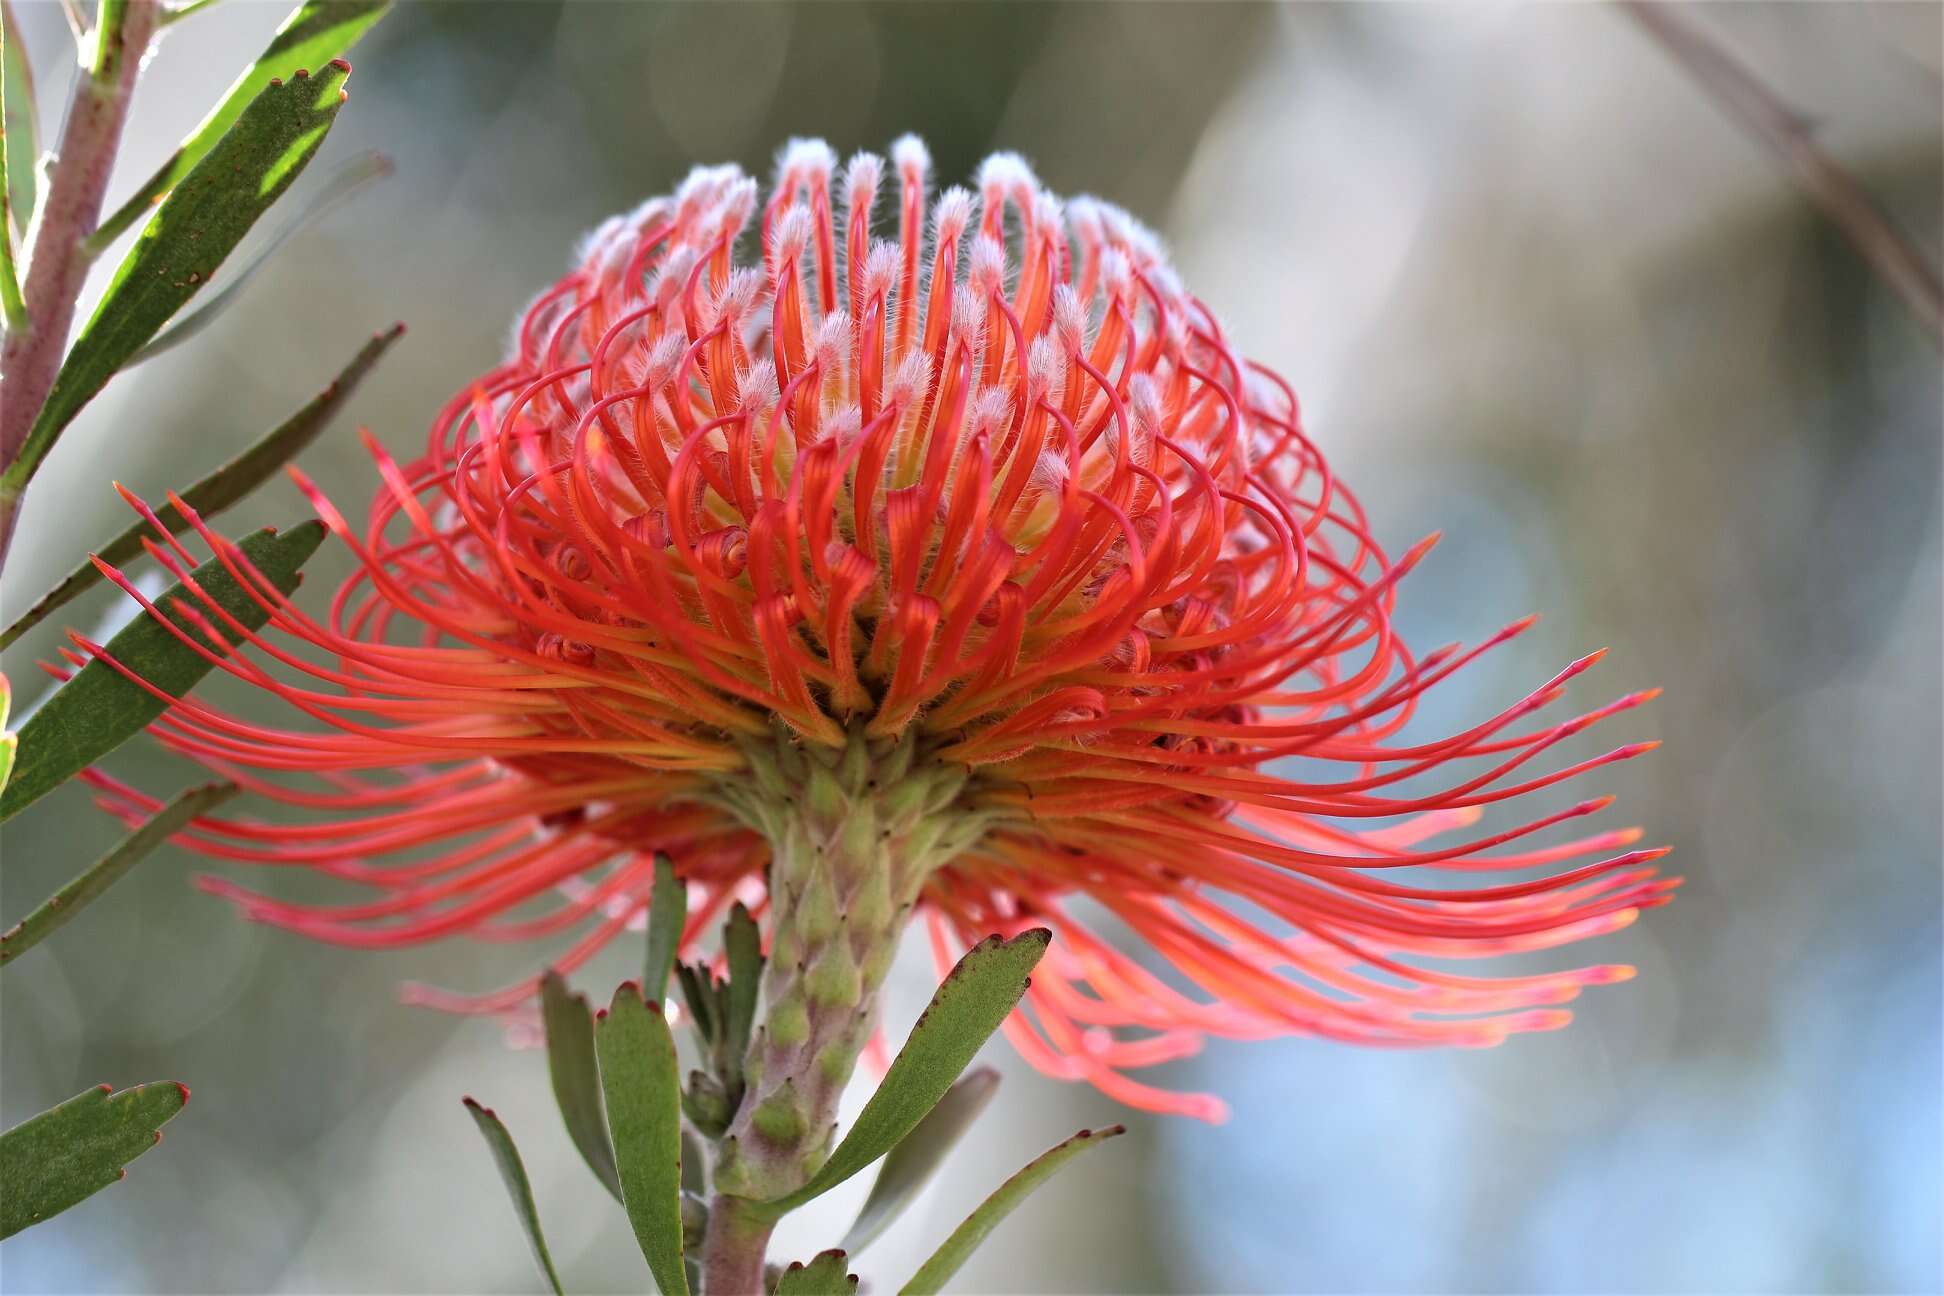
x: 667, y: 915
x: 196, y: 227
x: 513, y: 1174
x: 911, y: 1164
x: 694, y: 1166
x: 577, y: 1076
x: 8, y: 742
x: 173, y: 14
x: 109, y: 869
x: 13, y: 69
x: 222, y: 488
x: 309, y: 39
x: 98, y: 710
x: 974, y: 999
x: 69, y: 1153
x: 22, y: 125
x: 935, y: 1272
x: 341, y: 185
x: 743, y: 945
x: 823, y: 1276
x: 698, y: 993
x: 644, y: 1112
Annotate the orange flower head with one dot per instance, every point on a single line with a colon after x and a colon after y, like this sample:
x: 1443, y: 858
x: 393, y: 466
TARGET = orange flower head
x: 870, y: 551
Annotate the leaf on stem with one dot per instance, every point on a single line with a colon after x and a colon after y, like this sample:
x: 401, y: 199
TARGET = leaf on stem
x: 513, y: 1174
x: 577, y: 1076
x: 917, y: 1157
x: 69, y: 1153
x: 99, y: 709
x: 313, y: 35
x: 9, y: 741
x: 172, y: 14
x: 342, y: 184
x: 824, y: 1276
x: 965, y: 1239
x: 221, y: 488
x: 189, y: 236
x: 667, y: 915
x: 644, y: 1113
x: 974, y: 999
x: 698, y: 992
x: 17, y: 160
x: 84, y: 890
x: 22, y: 123
x: 742, y: 946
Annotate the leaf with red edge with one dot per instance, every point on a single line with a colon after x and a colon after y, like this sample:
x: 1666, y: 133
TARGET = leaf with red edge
x: 958, y: 1248
x: 313, y: 35
x: 513, y: 1174
x: 825, y: 1275
x: 69, y: 1153
x: 644, y: 1113
x: 576, y: 1076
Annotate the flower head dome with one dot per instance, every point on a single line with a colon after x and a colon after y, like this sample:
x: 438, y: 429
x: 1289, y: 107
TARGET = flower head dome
x: 870, y: 550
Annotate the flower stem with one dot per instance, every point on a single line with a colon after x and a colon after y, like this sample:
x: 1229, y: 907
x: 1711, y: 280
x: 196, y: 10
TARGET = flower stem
x: 854, y: 832
x: 56, y: 265
x: 734, y: 1248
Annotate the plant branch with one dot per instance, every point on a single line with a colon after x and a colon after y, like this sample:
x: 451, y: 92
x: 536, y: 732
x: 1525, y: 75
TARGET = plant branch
x: 56, y: 267
x: 1740, y: 94
x: 734, y: 1248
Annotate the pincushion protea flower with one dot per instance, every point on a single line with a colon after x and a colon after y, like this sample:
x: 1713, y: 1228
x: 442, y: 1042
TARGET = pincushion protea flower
x: 973, y: 572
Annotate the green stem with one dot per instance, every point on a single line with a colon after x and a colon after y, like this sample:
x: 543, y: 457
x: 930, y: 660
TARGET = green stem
x: 854, y: 832
x: 734, y: 1248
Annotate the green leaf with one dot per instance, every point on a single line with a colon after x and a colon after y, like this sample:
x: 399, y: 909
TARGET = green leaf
x: 918, y: 1155
x: 221, y: 488
x: 577, y: 1076
x: 22, y: 125
x: 341, y: 185
x: 667, y: 914
x: 513, y: 1174
x: 743, y: 945
x: 196, y: 227
x: 644, y: 1111
x: 309, y: 39
x: 968, y: 1007
x: 9, y: 743
x: 172, y: 14
x: 16, y: 155
x: 98, y: 710
x: 823, y: 1276
x: 698, y: 992
x: 965, y: 1239
x: 69, y: 1153
x: 694, y: 1166
x: 109, y: 869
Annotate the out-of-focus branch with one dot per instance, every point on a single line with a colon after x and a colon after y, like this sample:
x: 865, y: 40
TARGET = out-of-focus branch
x: 56, y: 267
x: 1740, y: 94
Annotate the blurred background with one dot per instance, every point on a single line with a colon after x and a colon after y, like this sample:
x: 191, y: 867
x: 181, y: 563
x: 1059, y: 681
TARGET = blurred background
x: 1534, y: 289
